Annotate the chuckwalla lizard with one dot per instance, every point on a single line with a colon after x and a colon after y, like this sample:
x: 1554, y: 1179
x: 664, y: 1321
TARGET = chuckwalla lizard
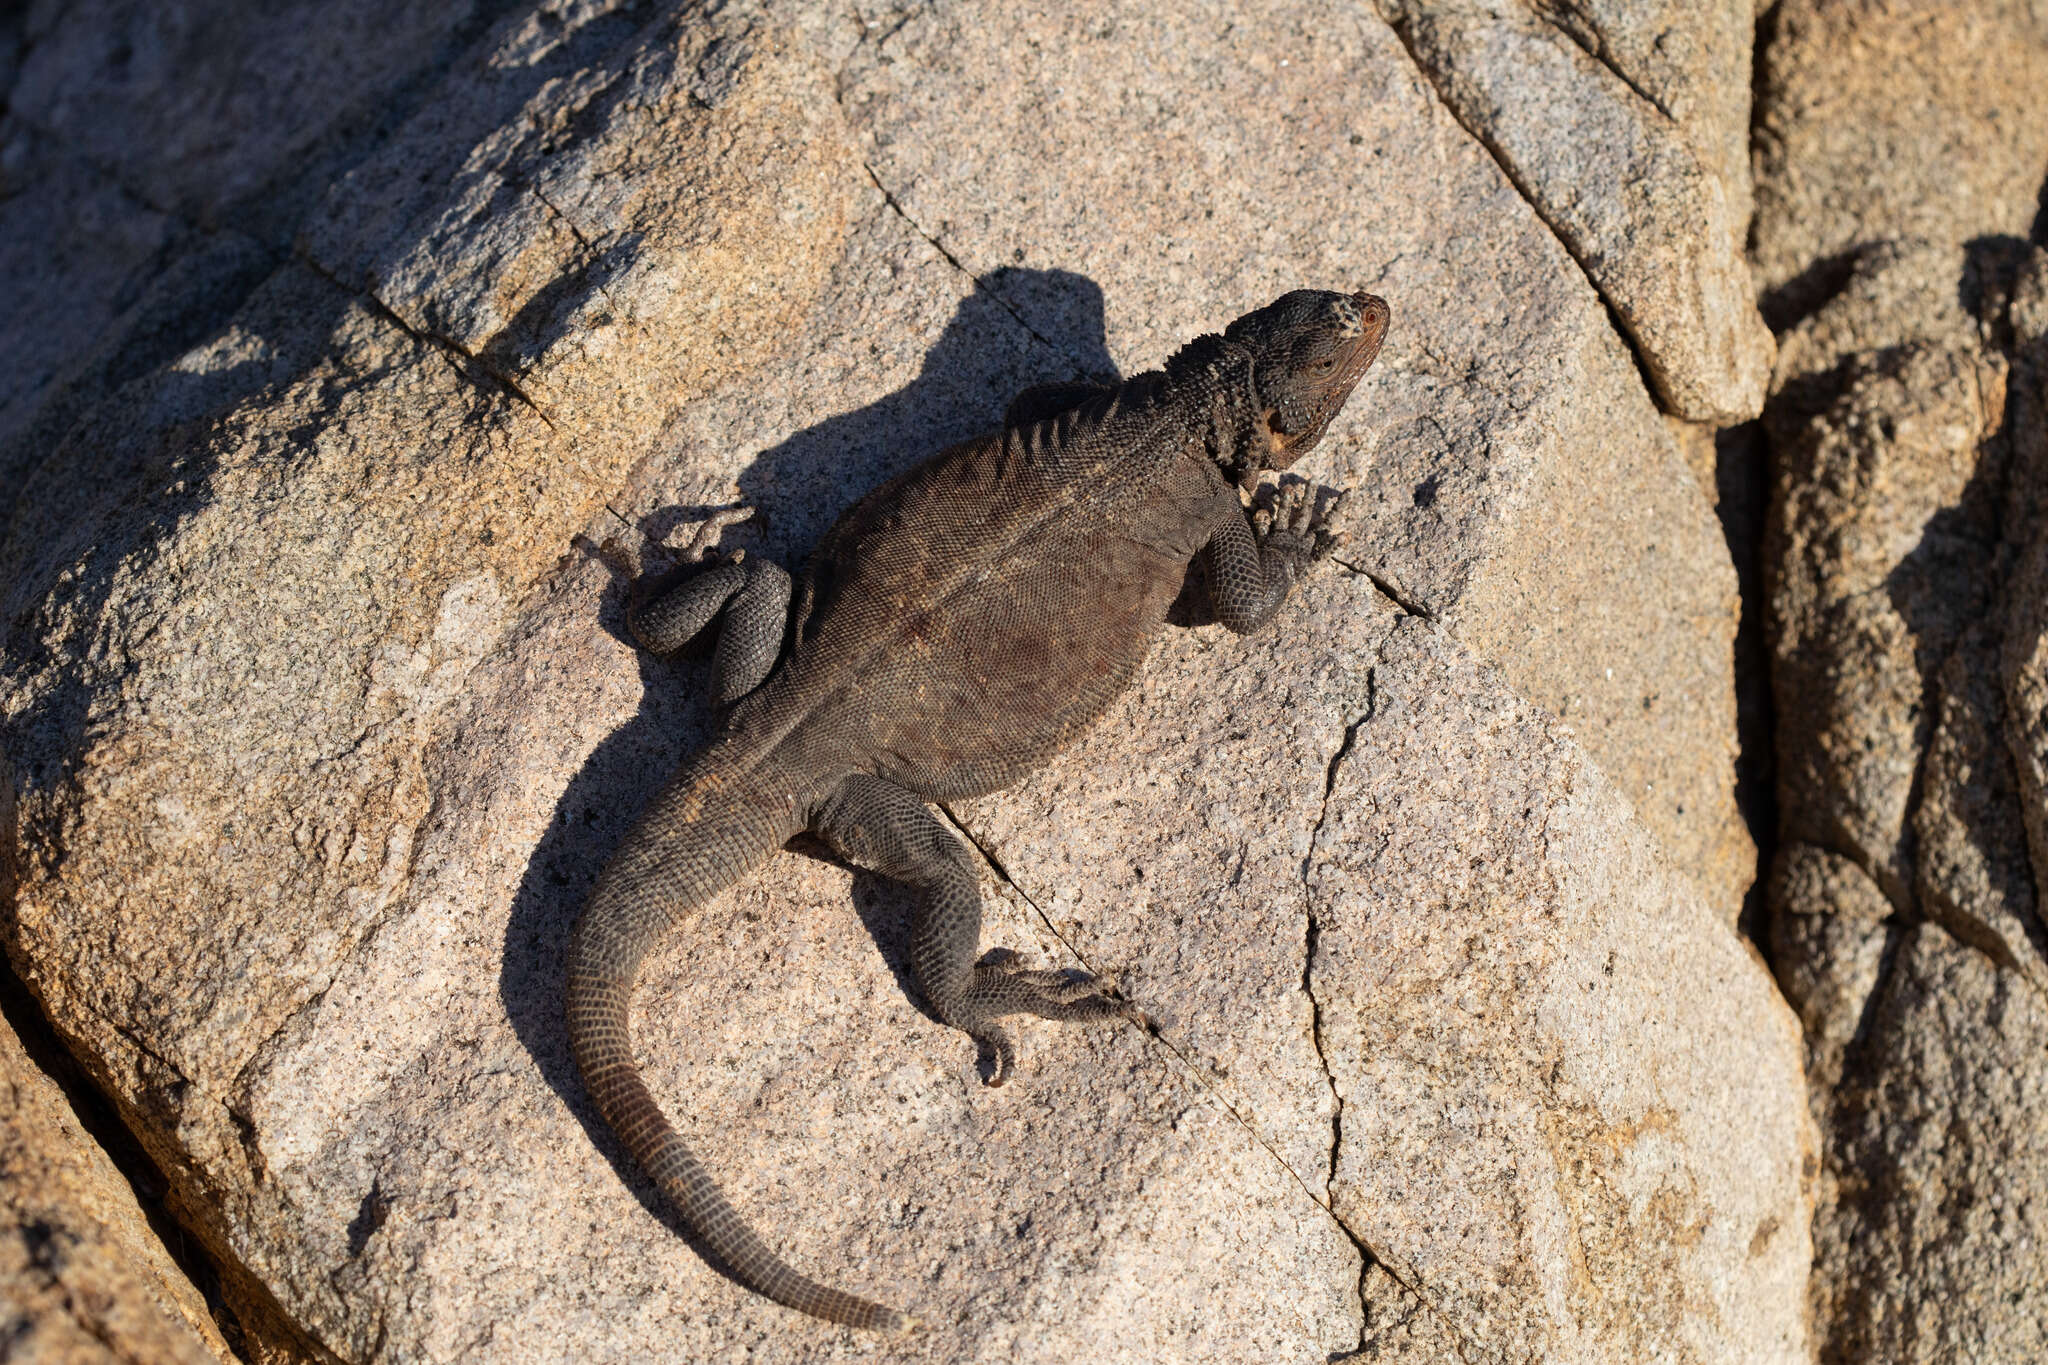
x: 956, y: 628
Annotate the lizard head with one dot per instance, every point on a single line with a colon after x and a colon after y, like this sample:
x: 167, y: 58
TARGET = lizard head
x: 1308, y: 349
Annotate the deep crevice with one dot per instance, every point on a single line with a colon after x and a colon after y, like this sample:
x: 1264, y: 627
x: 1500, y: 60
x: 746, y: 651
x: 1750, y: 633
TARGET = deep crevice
x: 101, y: 1120
x: 1742, y: 492
x: 1368, y: 1257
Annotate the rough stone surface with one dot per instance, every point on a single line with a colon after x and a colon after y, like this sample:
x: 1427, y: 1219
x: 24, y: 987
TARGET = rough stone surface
x: 1830, y: 930
x: 322, y: 720
x: 1471, y: 963
x: 82, y: 1277
x: 73, y: 249
x: 304, y: 533
x: 1902, y: 153
x: 1884, y: 519
x: 153, y: 162
x: 213, y: 112
x: 1893, y: 119
x: 1516, y: 483
x: 2024, y: 662
x: 1545, y: 1187
x: 1900, y: 510
x: 1935, y: 1250
x: 1625, y: 126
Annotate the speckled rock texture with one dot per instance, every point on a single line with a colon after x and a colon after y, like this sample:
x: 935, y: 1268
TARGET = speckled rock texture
x: 1515, y: 483
x: 320, y: 716
x: 1626, y: 125
x: 83, y: 1279
x: 1902, y: 154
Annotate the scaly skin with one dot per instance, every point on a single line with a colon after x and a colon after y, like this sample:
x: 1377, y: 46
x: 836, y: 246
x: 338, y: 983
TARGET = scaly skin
x: 956, y: 628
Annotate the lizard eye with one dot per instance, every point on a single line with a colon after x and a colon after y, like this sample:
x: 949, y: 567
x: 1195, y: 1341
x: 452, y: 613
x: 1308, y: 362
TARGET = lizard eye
x: 1326, y: 364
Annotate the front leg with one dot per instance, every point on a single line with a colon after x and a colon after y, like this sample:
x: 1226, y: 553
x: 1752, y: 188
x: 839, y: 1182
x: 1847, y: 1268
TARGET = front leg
x: 1254, y: 563
x: 877, y: 824
x: 754, y: 596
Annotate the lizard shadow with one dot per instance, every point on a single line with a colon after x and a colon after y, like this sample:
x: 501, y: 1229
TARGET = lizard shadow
x: 985, y: 355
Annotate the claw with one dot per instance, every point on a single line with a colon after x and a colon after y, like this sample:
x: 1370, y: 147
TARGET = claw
x: 707, y: 531
x: 1002, y: 1053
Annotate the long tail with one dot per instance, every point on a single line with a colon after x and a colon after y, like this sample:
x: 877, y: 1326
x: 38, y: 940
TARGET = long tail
x: 699, y: 836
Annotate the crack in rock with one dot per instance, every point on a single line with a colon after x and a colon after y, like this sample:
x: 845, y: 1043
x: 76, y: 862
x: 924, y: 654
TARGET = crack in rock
x: 1080, y: 371
x: 1598, y: 53
x: 1003, y: 874
x: 1368, y: 1256
x: 1387, y: 590
x: 1527, y: 195
x: 465, y: 364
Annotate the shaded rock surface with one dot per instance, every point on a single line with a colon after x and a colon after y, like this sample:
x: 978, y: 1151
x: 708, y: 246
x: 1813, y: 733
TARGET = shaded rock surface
x: 321, y: 717
x: 1902, y: 156
x: 82, y: 1277
x: 154, y: 163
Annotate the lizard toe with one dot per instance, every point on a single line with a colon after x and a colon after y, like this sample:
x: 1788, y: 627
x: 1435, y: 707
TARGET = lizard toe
x: 998, y: 1051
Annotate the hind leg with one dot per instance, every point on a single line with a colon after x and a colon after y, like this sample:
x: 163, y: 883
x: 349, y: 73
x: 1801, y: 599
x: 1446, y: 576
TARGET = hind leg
x: 882, y: 826
x: 752, y: 595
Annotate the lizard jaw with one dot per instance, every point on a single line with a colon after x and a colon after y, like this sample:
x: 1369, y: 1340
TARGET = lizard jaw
x: 1366, y: 327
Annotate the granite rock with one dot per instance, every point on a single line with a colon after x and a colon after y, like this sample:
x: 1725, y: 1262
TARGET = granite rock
x: 1516, y: 482
x: 322, y: 718
x: 1901, y: 151
x: 1625, y: 125
x: 83, y: 1278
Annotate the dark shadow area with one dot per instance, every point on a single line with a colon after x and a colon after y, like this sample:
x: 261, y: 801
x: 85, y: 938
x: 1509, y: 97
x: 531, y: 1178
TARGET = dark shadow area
x: 1947, y: 581
x: 1806, y: 293
x: 1992, y: 265
x: 273, y: 212
x: 1949, y: 578
x: 195, y: 288
x: 797, y: 487
x: 1742, y: 488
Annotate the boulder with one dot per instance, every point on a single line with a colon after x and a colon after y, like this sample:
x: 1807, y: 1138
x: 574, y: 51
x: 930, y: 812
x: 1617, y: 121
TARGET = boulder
x: 1625, y: 126
x: 322, y: 718
x: 1514, y: 481
x: 1901, y: 150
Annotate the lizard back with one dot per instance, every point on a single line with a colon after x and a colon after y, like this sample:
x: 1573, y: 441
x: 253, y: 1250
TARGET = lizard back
x: 1007, y: 589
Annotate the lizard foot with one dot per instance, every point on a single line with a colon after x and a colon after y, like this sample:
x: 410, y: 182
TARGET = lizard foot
x: 1003, y: 986
x: 1296, y: 517
x: 707, y: 531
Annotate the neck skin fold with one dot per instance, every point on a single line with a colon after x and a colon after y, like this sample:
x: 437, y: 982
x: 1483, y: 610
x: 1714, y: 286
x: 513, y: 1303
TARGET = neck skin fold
x: 1212, y: 380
